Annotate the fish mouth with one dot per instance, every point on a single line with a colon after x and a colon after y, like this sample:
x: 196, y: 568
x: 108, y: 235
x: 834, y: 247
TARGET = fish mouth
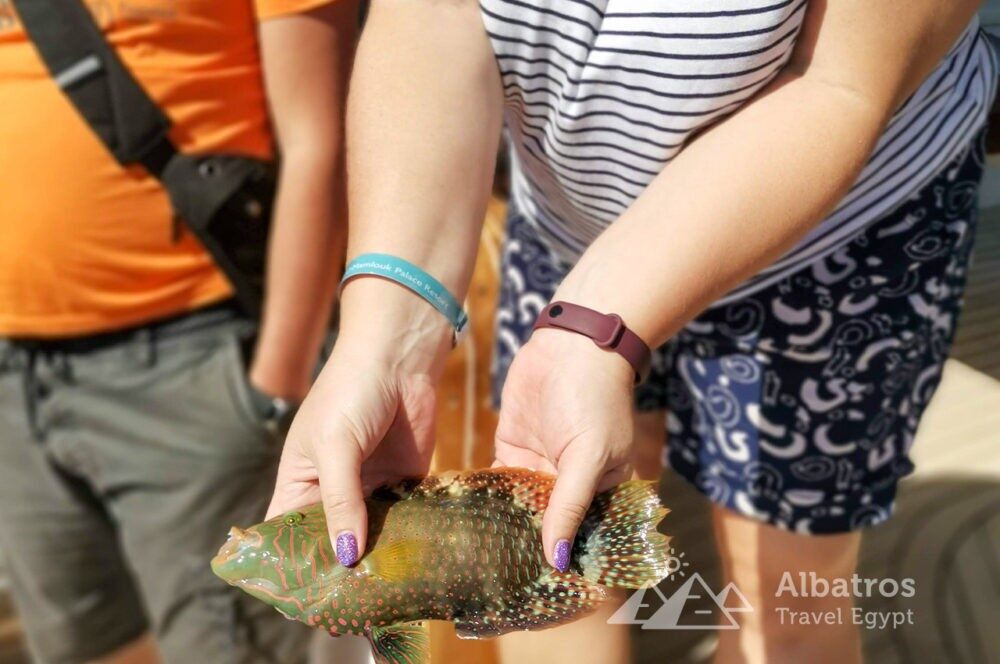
x: 238, y: 543
x: 266, y: 591
x: 260, y: 585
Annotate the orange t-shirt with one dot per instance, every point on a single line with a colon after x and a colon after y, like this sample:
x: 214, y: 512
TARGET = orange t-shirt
x: 87, y: 246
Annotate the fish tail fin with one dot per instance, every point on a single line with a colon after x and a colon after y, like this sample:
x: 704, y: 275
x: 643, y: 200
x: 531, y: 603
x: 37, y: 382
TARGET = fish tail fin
x: 618, y: 545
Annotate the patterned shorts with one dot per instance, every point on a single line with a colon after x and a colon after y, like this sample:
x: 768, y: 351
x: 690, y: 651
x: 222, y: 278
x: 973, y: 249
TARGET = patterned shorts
x: 798, y: 405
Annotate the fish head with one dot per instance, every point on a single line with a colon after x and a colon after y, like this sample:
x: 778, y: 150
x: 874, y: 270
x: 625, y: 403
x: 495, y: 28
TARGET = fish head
x: 276, y: 561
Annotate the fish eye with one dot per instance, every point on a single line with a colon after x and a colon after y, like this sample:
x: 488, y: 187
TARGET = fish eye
x: 293, y: 518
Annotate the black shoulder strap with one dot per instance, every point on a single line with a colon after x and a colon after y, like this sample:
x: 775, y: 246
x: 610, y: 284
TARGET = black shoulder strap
x: 89, y: 72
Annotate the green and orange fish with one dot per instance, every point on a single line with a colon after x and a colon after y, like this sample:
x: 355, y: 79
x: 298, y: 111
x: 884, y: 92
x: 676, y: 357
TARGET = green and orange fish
x: 462, y: 547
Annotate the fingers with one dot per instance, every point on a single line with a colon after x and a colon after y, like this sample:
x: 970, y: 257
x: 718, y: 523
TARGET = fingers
x: 290, y: 496
x: 579, y: 474
x: 344, y: 502
x: 295, y: 486
x: 616, y: 476
x: 519, y: 457
x: 331, y: 475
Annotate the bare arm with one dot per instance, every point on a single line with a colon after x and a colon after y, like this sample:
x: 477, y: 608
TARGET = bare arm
x: 423, y: 127
x: 746, y: 191
x: 425, y: 116
x: 731, y: 203
x: 306, y: 60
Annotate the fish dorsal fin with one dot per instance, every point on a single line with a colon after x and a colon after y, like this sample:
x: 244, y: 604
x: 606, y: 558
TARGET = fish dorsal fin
x: 406, y: 643
x: 397, y: 561
x: 555, y: 598
x: 529, y: 489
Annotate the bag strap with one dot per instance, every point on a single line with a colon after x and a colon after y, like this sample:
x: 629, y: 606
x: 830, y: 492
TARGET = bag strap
x: 104, y: 92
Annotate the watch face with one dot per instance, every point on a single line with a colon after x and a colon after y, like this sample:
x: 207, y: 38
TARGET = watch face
x: 279, y: 408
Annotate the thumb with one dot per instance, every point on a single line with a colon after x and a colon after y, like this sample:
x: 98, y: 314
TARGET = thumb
x: 344, y: 503
x: 574, y: 489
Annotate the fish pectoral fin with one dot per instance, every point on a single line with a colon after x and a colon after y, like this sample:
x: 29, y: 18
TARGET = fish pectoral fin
x: 555, y: 599
x: 406, y: 643
x: 396, y: 562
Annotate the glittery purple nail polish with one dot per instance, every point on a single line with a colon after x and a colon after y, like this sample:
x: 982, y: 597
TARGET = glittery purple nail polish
x: 347, y: 549
x: 562, y: 555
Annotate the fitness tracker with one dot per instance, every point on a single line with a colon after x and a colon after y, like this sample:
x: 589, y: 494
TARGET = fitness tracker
x: 607, y: 331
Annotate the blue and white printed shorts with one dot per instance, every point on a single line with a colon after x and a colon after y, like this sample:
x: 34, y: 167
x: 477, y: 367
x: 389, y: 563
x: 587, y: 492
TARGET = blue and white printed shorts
x: 798, y: 405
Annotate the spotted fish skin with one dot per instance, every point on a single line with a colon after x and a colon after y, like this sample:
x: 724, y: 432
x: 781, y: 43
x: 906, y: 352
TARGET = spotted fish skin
x: 462, y: 547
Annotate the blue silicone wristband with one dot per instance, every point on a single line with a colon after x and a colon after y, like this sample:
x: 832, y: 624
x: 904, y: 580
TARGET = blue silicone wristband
x: 410, y: 276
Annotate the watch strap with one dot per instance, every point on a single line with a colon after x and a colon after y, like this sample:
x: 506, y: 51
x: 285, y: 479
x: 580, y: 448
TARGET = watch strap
x: 607, y: 331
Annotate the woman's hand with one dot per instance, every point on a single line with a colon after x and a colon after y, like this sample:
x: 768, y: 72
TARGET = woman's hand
x: 369, y: 419
x: 567, y: 409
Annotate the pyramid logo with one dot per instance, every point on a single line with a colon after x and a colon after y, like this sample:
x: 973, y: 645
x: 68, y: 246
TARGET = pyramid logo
x: 628, y: 613
x: 732, y: 600
x: 693, y: 606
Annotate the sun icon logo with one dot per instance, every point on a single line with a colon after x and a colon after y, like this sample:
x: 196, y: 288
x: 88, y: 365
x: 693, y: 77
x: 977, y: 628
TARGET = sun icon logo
x: 676, y: 564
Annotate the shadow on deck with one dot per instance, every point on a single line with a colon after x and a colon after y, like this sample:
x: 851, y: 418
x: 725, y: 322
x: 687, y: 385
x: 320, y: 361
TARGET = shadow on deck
x: 978, y: 341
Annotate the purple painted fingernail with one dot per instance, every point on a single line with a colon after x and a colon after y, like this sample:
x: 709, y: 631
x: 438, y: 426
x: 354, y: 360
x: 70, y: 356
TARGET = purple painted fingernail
x: 562, y: 555
x: 347, y: 549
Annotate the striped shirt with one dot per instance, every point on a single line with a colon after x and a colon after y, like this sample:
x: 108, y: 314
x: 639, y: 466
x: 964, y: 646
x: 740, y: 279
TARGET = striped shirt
x: 602, y: 94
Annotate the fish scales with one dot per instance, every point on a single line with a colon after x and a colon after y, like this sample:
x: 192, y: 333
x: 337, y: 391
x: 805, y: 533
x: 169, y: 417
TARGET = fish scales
x: 438, y: 529
x: 461, y: 547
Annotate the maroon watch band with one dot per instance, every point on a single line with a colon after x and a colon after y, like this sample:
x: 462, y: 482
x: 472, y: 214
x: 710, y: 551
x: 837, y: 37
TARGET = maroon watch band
x: 608, y: 331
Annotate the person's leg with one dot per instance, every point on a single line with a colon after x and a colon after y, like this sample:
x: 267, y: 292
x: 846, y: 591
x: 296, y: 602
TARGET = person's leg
x: 756, y: 557
x: 71, y: 586
x: 184, y: 455
x: 799, y: 405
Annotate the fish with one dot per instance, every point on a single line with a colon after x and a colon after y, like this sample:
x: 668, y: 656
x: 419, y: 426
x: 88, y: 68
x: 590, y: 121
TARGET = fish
x: 464, y: 547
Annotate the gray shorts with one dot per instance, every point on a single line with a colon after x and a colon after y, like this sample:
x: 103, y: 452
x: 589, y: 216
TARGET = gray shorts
x: 122, y: 466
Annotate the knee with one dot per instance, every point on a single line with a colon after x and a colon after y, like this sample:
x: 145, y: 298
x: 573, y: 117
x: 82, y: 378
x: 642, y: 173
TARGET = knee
x: 775, y: 569
x: 788, y: 580
x: 764, y: 556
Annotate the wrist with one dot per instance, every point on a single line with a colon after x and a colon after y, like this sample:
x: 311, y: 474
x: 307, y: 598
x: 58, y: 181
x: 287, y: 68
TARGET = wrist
x: 604, y: 286
x: 413, y: 278
x: 607, y: 331
x: 555, y: 342
x: 287, y: 379
x: 389, y: 324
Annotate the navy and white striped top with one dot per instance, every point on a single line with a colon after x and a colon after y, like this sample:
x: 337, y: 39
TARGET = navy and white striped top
x: 602, y: 94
